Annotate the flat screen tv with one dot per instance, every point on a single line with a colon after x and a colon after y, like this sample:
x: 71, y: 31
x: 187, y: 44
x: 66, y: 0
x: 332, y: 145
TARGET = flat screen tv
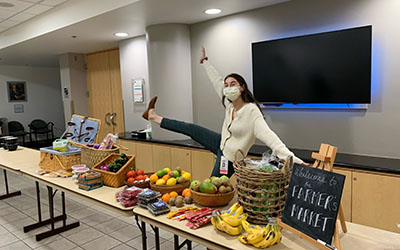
x: 329, y: 67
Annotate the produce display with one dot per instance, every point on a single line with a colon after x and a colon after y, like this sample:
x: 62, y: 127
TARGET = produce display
x: 137, y: 176
x: 261, y: 237
x: 129, y: 197
x: 147, y: 197
x: 116, y: 165
x: 231, y: 221
x: 170, y: 177
x: 213, y: 185
x: 90, y: 180
x: 173, y: 199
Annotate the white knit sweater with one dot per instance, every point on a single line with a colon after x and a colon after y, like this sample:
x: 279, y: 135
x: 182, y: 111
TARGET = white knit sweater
x: 248, y: 124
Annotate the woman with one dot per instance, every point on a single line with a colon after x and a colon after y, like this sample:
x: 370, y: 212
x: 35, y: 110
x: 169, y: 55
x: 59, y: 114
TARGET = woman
x: 243, y: 123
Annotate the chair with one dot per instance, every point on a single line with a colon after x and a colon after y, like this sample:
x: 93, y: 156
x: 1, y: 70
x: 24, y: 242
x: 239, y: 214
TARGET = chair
x: 41, y: 127
x: 15, y: 128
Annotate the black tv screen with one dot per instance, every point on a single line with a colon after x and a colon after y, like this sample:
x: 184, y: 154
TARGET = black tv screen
x: 330, y: 67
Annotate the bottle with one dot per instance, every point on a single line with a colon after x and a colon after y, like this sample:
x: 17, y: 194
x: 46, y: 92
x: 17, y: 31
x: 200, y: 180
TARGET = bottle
x: 148, y: 131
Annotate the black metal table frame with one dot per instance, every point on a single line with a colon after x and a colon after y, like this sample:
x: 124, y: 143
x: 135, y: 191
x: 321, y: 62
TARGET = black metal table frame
x: 8, y: 194
x: 142, y: 226
x: 52, y: 219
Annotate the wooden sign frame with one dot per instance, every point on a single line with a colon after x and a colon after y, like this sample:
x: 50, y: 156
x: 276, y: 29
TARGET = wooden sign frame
x: 324, y: 160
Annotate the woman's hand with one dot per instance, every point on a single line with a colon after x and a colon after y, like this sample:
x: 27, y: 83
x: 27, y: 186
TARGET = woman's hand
x: 203, y: 55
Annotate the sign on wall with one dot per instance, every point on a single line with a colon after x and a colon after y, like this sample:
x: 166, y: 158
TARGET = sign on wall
x: 137, y: 86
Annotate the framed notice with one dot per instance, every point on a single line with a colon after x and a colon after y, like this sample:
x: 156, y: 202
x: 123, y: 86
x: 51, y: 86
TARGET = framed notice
x: 312, y: 201
x: 137, y: 86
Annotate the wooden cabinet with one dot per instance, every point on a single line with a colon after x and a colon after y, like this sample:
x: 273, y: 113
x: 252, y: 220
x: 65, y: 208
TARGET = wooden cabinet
x: 181, y: 157
x: 376, y: 200
x: 105, y: 91
x: 202, y: 164
x: 347, y: 192
x: 144, y: 157
x: 127, y: 147
x: 161, y: 157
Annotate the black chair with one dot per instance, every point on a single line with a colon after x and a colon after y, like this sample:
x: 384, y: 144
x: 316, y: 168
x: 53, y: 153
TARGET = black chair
x: 41, y: 127
x: 15, y: 128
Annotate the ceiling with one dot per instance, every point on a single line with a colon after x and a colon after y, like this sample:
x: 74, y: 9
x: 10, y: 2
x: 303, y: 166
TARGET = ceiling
x: 96, y: 33
x: 14, y: 12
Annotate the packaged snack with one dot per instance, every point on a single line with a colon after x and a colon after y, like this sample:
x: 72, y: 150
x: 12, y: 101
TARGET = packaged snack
x: 60, y: 145
x: 158, y: 208
x: 148, y: 195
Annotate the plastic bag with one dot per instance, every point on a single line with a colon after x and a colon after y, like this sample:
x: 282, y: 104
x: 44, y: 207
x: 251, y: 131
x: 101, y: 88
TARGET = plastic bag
x: 268, y: 162
x: 108, y: 141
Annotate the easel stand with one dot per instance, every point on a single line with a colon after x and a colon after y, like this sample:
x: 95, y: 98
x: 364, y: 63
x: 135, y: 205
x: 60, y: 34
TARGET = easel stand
x: 324, y: 160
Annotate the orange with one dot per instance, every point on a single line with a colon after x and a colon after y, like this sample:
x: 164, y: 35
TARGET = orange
x: 166, y: 197
x: 165, y: 178
x: 186, y: 192
x: 153, y: 178
x: 173, y: 194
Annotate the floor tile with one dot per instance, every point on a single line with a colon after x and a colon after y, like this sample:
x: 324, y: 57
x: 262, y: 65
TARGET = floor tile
x: 82, y: 226
x: 18, y: 225
x: 85, y: 236
x: 111, y: 226
x: 126, y: 233
x: 7, y: 239
x: 31, y: 241
x: 199, y: 247
x: 103, y: 243
x: 125, y: 247
x: 82, y: 213
x: 6, y: 211
x: 13, y: 217
x: 95, y: 219
x: 59, y: 244
x: 150, y: 241
x: 3, y: 230
x: 166, y: 235
x: 19, y: 245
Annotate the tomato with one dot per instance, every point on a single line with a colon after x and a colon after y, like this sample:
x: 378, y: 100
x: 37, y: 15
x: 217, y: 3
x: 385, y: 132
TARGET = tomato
x: 140, y: 178
x: 145, y: 176
x: 131, y: 173
x: 131, y: 179
x: 140, y: 172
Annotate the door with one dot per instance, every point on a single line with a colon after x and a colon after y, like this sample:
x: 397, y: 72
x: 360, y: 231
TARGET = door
x: 105, y: 91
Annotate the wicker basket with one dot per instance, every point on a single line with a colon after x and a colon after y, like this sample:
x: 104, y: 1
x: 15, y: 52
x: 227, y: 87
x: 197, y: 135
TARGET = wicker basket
x: 262, y: 193
x: 54, y: 160
x: 91, y: 156
x: 115, y: 179
x: 212, y: 200
x: 167, y: 189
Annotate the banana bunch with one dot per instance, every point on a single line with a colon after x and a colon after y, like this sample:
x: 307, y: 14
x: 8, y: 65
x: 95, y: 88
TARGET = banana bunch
x: 261, y: 237
x: 230, y: 222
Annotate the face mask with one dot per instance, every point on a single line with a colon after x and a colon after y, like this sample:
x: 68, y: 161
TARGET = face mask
x: 232, y: 93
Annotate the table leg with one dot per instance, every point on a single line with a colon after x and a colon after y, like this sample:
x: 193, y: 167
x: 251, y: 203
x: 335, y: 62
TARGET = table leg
x: 178, y: 246
x: 142, y: 227
x: 52, y: 219
x: 157, y: 236
x: 8, y: 194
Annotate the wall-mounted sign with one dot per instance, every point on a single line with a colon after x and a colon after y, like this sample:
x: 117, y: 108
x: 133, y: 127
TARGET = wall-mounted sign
x: 137, y: 86
x: 18, y: 108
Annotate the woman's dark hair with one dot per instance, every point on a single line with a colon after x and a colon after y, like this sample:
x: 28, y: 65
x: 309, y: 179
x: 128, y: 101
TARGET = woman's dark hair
x: 247, y: 96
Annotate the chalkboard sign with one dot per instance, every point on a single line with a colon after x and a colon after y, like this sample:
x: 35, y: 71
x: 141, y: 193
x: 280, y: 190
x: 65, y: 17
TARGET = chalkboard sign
x: 312, y: 201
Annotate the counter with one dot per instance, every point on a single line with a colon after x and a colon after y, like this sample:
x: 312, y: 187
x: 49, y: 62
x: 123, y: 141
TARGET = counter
x: 370, y: 163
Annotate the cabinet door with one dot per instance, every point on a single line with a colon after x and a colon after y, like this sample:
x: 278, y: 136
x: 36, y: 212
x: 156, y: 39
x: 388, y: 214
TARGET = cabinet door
x: 346, y: 195
x: 181, y: 157
x: 127, y: 146
x: 202, y: 164
x: 144, y: 157
x: 99, y: 86
x: 376, y: 201
x: 116, y: 92
x: 161, y: 157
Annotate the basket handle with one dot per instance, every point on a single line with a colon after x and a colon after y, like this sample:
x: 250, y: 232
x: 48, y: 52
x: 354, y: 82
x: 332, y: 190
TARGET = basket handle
x: 241, y: 152
x: 288, y: 165
x: 121, y: 147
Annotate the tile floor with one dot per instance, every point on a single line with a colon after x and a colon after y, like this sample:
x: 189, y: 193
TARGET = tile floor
x: 99, y: 228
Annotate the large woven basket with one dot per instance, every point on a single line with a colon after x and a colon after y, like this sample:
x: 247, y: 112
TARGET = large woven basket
x: 91, y: 156
x: 115, y: 179
x: 54, y: 161
x: 167, y: 189
x: 212, y: 200
x: 262, y: 193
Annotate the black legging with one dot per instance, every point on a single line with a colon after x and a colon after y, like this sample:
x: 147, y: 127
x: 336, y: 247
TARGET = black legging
x: 207, y: 138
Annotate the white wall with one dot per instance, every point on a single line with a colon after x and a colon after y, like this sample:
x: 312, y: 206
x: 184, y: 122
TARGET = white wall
x: 43, y: 95
x: 228, y: 43
x: 133, y: 61
x: 73, y: 77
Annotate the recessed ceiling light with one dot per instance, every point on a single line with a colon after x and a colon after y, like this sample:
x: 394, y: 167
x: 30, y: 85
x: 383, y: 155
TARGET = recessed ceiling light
x: 6, y: 5
x: 212, y: 11
x: 120, y: 34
